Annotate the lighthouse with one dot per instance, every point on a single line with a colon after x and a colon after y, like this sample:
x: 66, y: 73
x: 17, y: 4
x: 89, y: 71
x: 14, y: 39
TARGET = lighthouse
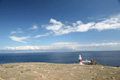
x: 80, y: 60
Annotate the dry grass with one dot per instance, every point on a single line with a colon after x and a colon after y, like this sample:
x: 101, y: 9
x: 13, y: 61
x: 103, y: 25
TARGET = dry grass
x: 49, y: 71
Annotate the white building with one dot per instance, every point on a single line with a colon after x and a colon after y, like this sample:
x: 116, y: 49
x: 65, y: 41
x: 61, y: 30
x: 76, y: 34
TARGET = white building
x: 81, y: 62
x: 86, y: 61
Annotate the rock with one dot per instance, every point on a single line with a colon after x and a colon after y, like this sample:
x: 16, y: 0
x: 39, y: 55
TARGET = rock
x: 42, y: 76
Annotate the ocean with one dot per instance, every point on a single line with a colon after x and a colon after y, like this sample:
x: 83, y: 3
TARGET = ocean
x: 108, y: 58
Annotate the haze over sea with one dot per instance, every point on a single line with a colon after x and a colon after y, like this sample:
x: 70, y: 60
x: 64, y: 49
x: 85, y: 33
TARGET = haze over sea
x: 108, y: 58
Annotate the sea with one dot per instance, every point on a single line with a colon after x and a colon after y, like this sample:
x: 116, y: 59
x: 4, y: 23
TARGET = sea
x: 107, y: 58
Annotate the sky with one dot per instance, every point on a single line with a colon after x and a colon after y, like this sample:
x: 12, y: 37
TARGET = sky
x: 59, y: 25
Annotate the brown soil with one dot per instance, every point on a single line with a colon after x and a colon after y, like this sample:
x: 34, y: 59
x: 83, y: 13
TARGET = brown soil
x: 49, y: 71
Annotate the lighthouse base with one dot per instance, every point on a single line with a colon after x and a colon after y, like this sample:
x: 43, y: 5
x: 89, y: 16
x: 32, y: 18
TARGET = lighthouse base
x: 81, y: 63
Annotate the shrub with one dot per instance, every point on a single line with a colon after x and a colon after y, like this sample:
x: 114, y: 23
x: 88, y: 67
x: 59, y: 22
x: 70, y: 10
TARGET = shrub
x: 94, y: 62
x: 21, y: 71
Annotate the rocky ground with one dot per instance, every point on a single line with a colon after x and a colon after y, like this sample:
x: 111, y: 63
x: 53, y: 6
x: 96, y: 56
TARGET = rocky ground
x: 50, y: 71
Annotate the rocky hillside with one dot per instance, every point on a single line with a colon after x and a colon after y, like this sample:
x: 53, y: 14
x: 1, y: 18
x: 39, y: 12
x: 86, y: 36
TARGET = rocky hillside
x: 49, y: 71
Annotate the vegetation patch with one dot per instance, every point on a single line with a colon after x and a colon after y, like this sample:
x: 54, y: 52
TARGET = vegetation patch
x: 94, y: 62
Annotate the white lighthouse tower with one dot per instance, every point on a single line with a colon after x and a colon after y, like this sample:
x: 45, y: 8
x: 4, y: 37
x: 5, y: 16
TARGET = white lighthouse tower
x: 80, y: 60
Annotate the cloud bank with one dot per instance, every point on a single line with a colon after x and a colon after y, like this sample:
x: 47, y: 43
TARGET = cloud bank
x: 58, y: 28
x: 69, y: 46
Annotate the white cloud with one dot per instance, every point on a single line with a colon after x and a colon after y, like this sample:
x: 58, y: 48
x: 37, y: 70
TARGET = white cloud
x: 37, y: 36
x: 58, y: 28
x: 19, y: 39
x: 69, y: 46
x: 13, y: 32
x: 56, y: 25
x: 112, y: 23
x: 17, y: 31
x: 34, y: 27
x: 84, y: 27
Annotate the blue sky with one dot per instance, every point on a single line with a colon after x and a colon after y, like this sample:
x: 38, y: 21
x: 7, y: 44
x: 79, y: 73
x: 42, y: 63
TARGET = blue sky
x: 60, y: 25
